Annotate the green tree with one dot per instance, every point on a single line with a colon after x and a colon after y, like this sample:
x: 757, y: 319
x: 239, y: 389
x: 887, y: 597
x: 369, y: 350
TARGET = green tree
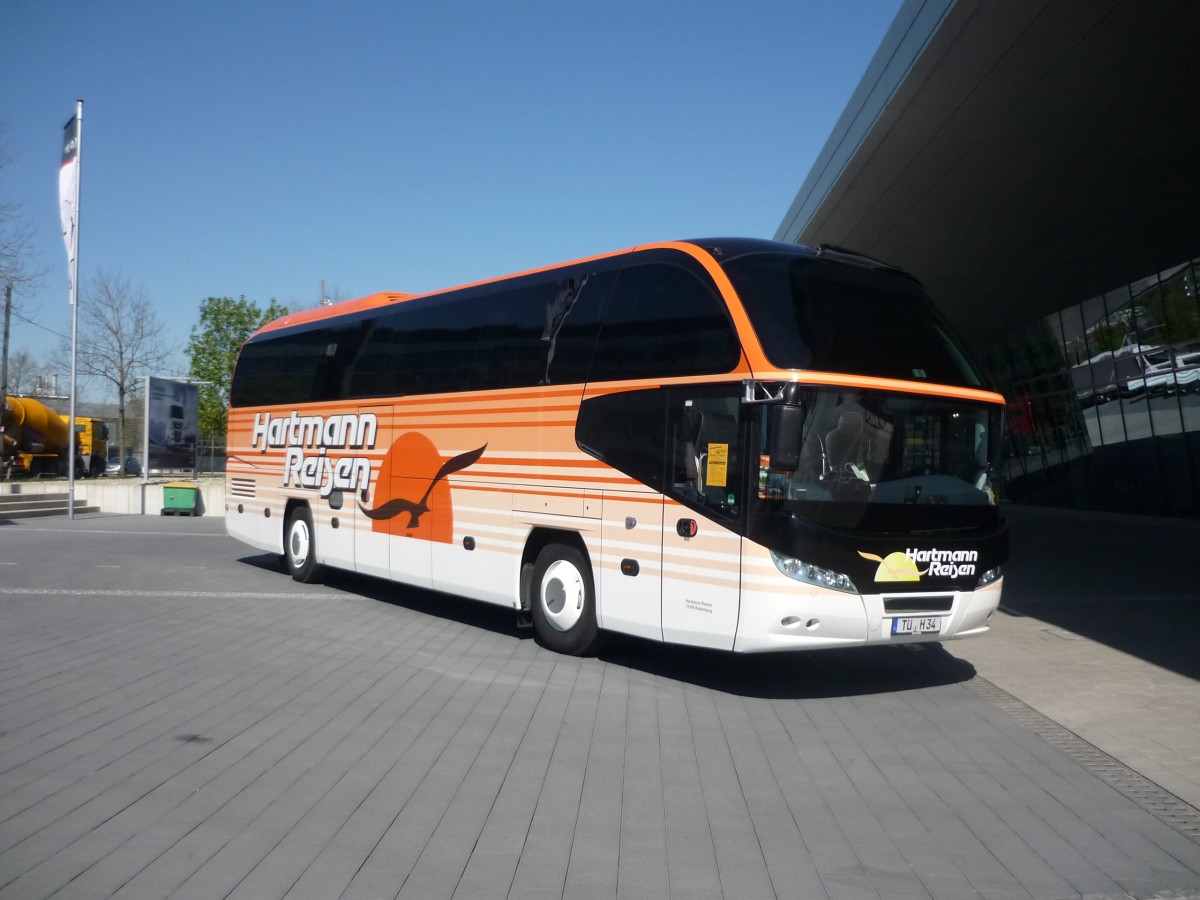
x: 1106, y: 336
x: 1174, y: 308
x: 224, y: 326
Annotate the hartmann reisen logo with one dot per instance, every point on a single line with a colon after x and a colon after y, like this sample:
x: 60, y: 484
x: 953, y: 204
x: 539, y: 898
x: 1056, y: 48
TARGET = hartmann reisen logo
x: 326, y: 435
x: 938, y: 564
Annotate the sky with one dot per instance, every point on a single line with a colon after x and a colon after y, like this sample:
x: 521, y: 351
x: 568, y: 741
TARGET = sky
x: 259, y: 149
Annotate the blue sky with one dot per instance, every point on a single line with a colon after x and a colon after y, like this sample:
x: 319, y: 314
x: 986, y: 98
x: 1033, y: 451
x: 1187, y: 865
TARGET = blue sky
x: 255, y: 148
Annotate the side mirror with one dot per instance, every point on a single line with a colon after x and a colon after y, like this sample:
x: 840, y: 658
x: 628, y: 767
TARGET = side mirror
x: 785, y: 424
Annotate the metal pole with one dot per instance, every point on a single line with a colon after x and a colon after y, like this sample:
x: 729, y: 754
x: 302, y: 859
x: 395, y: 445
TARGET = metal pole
x: 4, y: 372
x: 74, y: 267
x: 145, y: 441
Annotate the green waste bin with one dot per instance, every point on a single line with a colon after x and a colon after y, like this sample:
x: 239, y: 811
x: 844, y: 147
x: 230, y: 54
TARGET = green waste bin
x: 180, y: 498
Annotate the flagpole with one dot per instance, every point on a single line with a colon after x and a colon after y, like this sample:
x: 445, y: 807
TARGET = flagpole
x: 73, y: 268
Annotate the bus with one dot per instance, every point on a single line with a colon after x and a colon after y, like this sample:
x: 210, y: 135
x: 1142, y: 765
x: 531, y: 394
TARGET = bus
x: 734, y: 444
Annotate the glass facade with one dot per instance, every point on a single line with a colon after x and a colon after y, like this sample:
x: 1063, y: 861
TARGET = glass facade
x: 1104, y: 400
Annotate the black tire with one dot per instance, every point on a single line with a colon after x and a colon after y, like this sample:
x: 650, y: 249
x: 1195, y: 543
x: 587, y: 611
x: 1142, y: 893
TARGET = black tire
x: 563, y: 601
x: 300, y: 547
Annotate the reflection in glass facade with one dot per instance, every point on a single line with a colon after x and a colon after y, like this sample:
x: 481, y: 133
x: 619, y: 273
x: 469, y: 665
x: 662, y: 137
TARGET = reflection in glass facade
x: 1104, y: 400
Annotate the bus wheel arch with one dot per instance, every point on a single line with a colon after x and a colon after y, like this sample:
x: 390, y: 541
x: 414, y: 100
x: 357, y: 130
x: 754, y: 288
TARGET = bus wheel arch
x: 300, y: 543
x: 561, y: 593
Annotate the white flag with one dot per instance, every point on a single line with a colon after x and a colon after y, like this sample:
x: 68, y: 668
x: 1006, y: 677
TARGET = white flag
x: 68, y: 194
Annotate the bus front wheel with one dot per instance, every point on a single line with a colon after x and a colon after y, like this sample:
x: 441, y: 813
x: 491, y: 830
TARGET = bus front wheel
x: 563, y: 605
x: 300, y: 547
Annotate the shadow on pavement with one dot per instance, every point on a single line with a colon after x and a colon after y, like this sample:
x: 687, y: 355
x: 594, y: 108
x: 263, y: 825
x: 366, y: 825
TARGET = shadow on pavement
x: 795, y: 675
x: 792, y: 675
x: 1129, y: 582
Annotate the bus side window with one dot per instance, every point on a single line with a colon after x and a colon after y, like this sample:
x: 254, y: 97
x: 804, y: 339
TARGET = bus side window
x: 374, y: 372
x: 691, y: 436
x: 664, y: 320
x: 510, y: 352
x: 281, y: 370
x: 706, y: 450
x: 436, y: 347
x: 475, y: 340
x: 335, y: 364
x: 570, y: 341
x: 625, y: 430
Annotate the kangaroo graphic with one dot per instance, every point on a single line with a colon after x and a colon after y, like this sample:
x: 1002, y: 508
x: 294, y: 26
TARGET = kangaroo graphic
x: 398, y: 505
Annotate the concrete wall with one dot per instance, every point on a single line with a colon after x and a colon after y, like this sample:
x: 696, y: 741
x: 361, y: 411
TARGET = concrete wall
x: 126, y: 496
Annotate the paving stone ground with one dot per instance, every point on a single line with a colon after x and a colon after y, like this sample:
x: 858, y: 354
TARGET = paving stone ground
x: 178, y: 719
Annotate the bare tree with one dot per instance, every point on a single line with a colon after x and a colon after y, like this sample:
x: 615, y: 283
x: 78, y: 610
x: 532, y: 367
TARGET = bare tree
x: 21, y: 372
x: 120, y: 338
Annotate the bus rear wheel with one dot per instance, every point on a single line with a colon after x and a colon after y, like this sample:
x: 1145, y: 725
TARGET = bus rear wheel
x: 563, y: 605
x: 300, y: 547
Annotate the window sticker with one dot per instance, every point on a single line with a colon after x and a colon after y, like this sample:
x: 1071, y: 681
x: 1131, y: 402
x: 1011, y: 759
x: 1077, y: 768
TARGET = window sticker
x: 718, y: 465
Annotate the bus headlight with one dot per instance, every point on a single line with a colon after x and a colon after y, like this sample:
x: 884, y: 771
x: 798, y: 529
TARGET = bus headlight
x: 814, y: 575
x: 989, y: 576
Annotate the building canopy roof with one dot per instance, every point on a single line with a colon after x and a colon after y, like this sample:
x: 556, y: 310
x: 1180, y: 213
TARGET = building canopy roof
x: 1018, y: 155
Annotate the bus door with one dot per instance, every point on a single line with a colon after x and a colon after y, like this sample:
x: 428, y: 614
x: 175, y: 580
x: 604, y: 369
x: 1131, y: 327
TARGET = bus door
x: 629, y: 577
x: 701, y: 584
x: 701, y: 559
x: 671, y: 560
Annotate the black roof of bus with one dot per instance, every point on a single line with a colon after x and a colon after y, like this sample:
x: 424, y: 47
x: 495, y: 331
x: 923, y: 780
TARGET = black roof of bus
x: 724, y: 249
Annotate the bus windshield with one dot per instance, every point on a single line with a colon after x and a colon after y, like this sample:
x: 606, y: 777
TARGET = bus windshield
x: 818, y: 314
x: 880, y: 461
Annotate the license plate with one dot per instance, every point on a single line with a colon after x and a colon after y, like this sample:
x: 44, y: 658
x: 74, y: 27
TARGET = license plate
x: 917, y: 625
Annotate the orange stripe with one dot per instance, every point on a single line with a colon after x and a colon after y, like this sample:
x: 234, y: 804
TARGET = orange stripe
x: 482, y: 425
x: 521, y: 394
x: 841, y: 379
x: 455, y: 405
x: 504, y: 410
x: 535, y: 461
x: 337, y: 309
x: 478, y: 425
x: 575, y: 495
x: 454, y: 400
x: 530, y: 476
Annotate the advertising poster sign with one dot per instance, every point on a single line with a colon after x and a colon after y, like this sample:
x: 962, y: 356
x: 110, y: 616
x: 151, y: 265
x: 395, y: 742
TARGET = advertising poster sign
x: 172, y: 422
